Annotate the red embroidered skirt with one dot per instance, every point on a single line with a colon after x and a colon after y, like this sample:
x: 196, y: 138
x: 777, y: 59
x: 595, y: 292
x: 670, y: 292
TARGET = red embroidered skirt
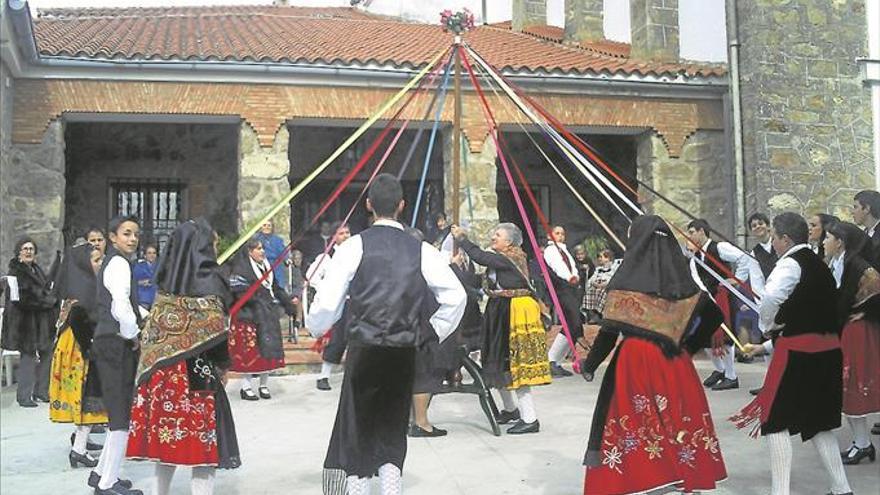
x: 860, y: 343
x: 172, y: 424
x: 658, y: 430
x: 244, y: 351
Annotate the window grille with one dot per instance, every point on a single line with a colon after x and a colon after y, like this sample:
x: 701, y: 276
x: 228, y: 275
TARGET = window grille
x: 159, y: 204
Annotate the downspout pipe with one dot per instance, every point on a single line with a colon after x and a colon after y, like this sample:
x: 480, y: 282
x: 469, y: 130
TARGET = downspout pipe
x: 872, y: 78
x: 20, y: 14
x: 736, y: 117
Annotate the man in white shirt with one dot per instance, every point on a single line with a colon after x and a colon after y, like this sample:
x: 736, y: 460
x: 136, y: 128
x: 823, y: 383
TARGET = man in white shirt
x: 385, y: 273
x: 744, y: 267
x: 566, y: 280
x: 333, y: 351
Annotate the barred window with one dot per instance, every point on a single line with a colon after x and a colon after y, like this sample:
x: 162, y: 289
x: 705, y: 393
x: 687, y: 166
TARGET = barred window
x: 159, y: 204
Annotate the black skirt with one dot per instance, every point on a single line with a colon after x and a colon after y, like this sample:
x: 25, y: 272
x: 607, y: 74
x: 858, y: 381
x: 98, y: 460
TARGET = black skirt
x: 810, y: 395
x: 495, y: 351
x: 227, y: 439
x: 116, y: 362
x: 434, y: 361
x: 373, y: 414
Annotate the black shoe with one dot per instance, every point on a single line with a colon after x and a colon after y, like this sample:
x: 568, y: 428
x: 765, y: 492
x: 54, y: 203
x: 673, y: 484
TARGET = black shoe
x: 594, y: 318
x: 264, y: 393
x: 27, y: 403
x: 41, y: 398
x: 323, y: 384
x: 557, y: 371
x: 755, y: 391
x: 94, y: 479
x: 744, y: 358
x: 875, y: 430
x: 726, y: 384
x: 89, y: 444
x: 76, y: 459
x: 714, y: 378
x: 853, y: 458
x: 418, y: 431
x: 248, y: 394
x: 522, y: 427
x: 505, y: 417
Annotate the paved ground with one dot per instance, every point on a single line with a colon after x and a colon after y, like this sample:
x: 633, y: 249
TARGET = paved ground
x: 283, y: 443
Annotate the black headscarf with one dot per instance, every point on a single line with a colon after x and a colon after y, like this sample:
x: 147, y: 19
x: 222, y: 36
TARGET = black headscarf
x: 76, y: 279
x: 654, y: 263
x: 188, y: 266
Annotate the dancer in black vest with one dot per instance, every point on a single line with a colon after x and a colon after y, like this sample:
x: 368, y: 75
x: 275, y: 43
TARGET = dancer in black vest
x: 802, y: 392
x: 115, y: 351
x: 567, y: 281
x: 763, y: 250
x: 722, y: 257
x: 385, y: 273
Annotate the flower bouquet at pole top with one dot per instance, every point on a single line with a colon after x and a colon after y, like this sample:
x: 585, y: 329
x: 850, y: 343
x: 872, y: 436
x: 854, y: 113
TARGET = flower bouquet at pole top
x: 457, y: 22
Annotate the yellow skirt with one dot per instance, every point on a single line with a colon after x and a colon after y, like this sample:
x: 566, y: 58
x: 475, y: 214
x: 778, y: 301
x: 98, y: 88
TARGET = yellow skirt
x: 68, y: 376
x: 528, y: 347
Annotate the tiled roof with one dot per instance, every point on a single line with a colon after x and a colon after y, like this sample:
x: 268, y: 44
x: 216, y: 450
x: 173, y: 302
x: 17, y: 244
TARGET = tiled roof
x: 311, y: 35
x: 556, y: 34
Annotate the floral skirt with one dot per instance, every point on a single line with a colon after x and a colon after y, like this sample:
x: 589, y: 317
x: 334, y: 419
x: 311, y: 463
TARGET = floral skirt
x: 652, y: 427
x: 860, y: 342
x: 244, y: 350
x: 68, y: 400
x: 528, y: 344
x: 172, y: 424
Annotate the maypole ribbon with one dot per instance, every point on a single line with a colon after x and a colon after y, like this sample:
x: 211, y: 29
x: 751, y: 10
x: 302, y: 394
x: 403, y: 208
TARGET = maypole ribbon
x: 493, y: 129
x: 333, y: 156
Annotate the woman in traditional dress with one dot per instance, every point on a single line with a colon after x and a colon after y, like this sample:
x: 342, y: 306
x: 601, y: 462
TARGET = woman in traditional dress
x: 859, y: 307
x: 514, y: 350
x: 651, y: 426
x: 74, y: 389
x: 181, y: 415
x: 255, y: 342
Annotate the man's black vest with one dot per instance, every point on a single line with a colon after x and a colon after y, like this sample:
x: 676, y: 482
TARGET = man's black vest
x: 386, y: 293
x: 812, y: 306
x: 107, y: 325
x: 711, y: 259
x: 766, y: 260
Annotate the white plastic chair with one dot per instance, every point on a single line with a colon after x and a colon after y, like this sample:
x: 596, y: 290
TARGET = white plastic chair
x: 6, y: 357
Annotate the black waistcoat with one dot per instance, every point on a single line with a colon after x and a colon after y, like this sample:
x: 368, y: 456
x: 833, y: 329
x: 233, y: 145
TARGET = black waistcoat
x: 812, y: 306
x: 107, y: 325
x: 388, y: 289
x: 766, y: 260
x: 711, y: 259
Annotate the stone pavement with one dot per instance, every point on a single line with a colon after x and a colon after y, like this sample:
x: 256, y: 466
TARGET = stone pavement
x: 283, y: 443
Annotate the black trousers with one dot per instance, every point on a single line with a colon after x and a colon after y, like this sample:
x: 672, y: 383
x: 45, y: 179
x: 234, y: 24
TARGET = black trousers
x: 117, y: 364
x: 33, y: 375
x: 570, y: 299
x: 336, y: 347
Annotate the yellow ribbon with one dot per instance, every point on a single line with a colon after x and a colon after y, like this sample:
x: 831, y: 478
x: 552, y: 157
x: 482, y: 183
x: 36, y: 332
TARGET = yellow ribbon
x: 315, y: 173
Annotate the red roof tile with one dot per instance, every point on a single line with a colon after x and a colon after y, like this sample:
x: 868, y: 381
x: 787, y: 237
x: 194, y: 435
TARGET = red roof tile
x: 312, y: 35
x: 557, y: 34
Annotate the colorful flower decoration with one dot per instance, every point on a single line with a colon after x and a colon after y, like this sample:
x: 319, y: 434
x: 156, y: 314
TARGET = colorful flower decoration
x: 457, y: 22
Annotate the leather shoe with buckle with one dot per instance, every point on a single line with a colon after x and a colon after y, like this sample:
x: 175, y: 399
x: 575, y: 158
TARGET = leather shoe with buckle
x: 522, y: 427
x: 726, y: 384
x: 118, y: 490
x: 855, y: 455
x: 94, y: 479
x: 89, y: 444
x: 248, y: 394
x: 264, y: 393
x: 714, y: 378
x: 76, y: 459
x: 504, y: 417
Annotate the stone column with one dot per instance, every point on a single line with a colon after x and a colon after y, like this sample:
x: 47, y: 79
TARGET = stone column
x: 528, y: 13
x: 698, y: 181
x: 33, y: 183
x: 477, y: 170
x: 584, y: 20
x: 263, y: 179
x: 654, y: 29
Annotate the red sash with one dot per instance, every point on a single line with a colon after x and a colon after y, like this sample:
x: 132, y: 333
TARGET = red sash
x: 758, y: 411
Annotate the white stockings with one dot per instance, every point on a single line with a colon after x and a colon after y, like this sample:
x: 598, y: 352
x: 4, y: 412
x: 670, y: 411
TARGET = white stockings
x: 202, y: 482
x: 780, y: 461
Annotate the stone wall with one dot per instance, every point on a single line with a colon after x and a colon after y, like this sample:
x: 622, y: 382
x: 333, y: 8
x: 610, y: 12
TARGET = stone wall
x: 528, y: 13
x: 478, y: 173
x: 33, y: 195
x: 6, y: 101
x: 584, y: 20
x: 654, y: 28
x: 263, y: 179
x: 201, y: 156
x: 806, y: 115
x: 700, y: 181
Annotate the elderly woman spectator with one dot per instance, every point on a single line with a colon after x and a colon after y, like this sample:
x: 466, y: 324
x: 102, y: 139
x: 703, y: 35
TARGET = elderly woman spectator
x: 594, y: 297
x: 29, y: 325
x: 514, y: 351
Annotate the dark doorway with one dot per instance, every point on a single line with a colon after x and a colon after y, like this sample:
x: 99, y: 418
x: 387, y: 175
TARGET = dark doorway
x: 162, y: 173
